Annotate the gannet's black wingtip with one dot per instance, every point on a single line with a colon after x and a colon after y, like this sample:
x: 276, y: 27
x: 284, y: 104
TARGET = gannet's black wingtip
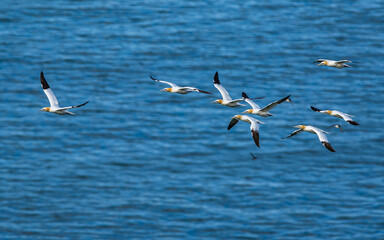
x: 44, y: 83
x: 353, y: 122
x: 315, y: 109
x: 244, y: 95
x: 216, y: 78
x: 153, y: 78
x: 328, y: 146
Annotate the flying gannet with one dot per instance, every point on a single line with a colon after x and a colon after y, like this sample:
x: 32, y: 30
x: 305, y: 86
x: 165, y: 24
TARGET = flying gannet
x: 336, y: 126
x: 320, y: 134
x: 176, y: 89
x: 333, y: 63
x: 254, y: 125
x: 263, y: 111
x: 54, y: 108
x: 227, y: 100
x: 337, y: 114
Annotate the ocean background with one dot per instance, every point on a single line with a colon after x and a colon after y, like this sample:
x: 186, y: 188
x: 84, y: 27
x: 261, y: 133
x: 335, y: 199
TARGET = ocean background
x: 137, y: 163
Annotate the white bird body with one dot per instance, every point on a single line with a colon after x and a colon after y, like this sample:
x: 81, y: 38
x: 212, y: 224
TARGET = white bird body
x: 227, y: 100
x: 54, y: 104
x: 177, y: 89
x: 254, y: 125
x: 333, y: 63
x: 263, y: 112
x: 338, y: 114
x: 320, y: 134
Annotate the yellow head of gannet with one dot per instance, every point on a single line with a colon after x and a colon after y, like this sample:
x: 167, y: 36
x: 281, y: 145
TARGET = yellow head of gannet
x: 300, y: 126
x: 329, y: 112
x: 166, y: 90
x: 248, y: 111
x: 46, y: 109
x: 325, y: 62
x: 219, y: 101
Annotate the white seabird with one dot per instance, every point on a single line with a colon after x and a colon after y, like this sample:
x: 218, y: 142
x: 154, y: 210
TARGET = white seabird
x: 227, y: 100
x: 336, y: 126
x: 54, y: 108
x: 254, y: 125
x: 176, y: 89
x: 333, y: 63
x: 320, y: 134
x: 337, y: 114
x: 263, y: 112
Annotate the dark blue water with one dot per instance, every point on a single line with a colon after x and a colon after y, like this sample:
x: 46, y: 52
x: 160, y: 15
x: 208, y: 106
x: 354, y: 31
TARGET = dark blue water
x: 136, y: 163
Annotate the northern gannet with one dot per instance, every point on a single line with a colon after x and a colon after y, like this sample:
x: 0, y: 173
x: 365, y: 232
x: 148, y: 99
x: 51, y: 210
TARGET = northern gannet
x: 254, y: 125
x: 336, y: 126
x: 227, y: 100
x: 176, y: 89
x: 320, y: 133
x: 333, y: 63
x: 263, y: 111
x: 337, y: 114
x: 54, y: 108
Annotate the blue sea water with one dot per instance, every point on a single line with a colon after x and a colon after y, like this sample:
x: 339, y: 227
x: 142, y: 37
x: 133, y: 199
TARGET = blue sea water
x: 136, y: 163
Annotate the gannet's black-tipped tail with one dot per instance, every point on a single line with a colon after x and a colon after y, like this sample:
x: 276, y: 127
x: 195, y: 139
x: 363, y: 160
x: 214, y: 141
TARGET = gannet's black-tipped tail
x: 255, y: 136
x: 216, y: 78
x: 244, y: 95
x: 44, y: 83
x: 315, y: 109
x: 353, y: 122
x: 328, y: 146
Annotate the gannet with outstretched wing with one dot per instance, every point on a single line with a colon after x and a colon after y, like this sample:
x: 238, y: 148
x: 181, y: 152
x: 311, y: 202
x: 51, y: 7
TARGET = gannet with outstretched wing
x: 227, y: 100
x: 333, y: 63
x: 337, y: 114
x: 261, y: 111
x: 254, y: 125
x: 320, y: 134
x: 176, y: 89
x: 54, y: 108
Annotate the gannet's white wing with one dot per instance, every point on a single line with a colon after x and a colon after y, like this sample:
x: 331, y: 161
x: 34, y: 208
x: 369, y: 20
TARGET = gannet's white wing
x: 322, y: 137
x: 249, y: 101
x: 274, y: 104
x: 343, y: 61
x: 347, y: 118
x: 169, y: 83
x: 221, y: 89
x: 294, y: 133
x: 48, y: 91
x: 64, y: 108
x: 191, y: 89
x: 255, y: 131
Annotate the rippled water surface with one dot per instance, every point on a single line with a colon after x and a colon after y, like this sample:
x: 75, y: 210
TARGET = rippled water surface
x: 136, y: 163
